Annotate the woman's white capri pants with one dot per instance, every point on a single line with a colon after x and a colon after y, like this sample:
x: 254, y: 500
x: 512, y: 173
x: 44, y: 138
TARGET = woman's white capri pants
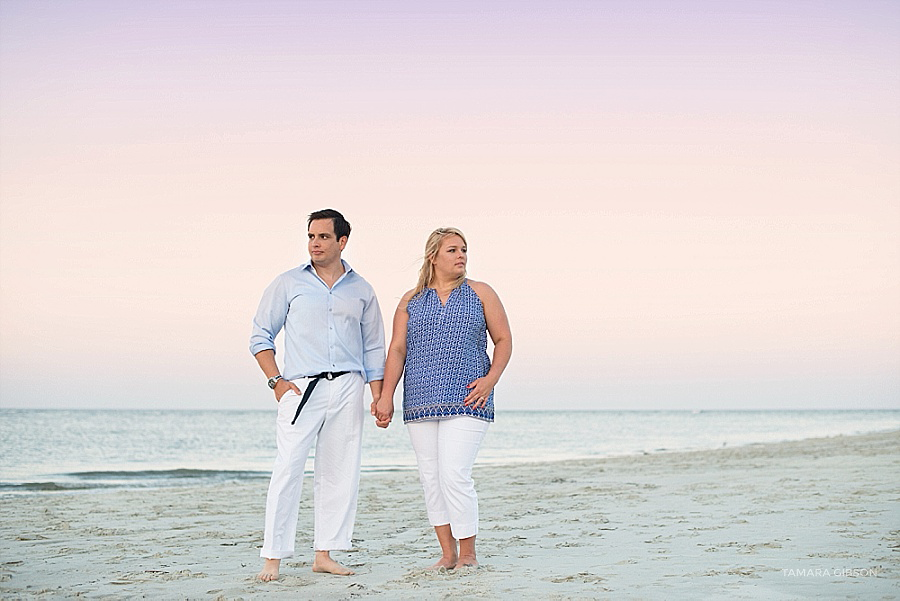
x: 445, y: 451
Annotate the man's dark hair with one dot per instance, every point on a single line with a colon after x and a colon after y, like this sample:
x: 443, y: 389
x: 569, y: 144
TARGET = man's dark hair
x: 341, y: 225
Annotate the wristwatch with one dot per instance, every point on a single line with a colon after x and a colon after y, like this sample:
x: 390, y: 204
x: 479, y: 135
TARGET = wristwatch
x: 273, y: 381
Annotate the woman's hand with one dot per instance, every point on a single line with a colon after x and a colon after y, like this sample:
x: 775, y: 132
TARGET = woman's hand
x: 479, y: 391
x: 383, y: 410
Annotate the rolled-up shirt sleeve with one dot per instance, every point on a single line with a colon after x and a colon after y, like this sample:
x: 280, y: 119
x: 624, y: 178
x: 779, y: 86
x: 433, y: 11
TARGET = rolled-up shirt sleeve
x: 372, y: 328
x: 270, y: 317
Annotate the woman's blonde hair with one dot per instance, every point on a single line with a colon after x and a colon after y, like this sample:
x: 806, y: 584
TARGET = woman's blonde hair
x: 432, y: 246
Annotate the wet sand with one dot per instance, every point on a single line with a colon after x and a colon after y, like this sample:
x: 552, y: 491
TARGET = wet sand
x: 811, y: 519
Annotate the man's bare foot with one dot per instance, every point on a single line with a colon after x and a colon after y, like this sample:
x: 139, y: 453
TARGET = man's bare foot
x: 270, y: 570
x: 325, y: 565
x: 467, y: 561
x: 448, y: 563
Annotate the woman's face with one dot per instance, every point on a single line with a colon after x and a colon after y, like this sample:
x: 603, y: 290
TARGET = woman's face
x: 451, y: 258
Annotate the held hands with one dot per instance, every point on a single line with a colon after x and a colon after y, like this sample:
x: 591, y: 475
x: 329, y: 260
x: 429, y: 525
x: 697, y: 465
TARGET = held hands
x: 479, y: 391
x: 383, y: 410
x: 282, y: 386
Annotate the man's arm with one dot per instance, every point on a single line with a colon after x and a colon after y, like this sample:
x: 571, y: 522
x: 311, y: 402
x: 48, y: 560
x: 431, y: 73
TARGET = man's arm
x: 266, y: 360
x: 270, y: 317
x: 372, y: 329
x: 267, y: 323
x: 376, y: 387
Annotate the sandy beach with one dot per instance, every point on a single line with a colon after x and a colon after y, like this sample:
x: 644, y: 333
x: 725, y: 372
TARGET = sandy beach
x: 811, y: 519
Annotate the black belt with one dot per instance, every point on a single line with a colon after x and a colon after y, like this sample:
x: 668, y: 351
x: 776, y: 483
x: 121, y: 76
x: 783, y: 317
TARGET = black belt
x: 328, y: 375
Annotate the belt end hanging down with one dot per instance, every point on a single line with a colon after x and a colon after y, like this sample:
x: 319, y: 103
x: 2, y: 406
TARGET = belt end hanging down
x: 305, y: 398
x: 328, y: 375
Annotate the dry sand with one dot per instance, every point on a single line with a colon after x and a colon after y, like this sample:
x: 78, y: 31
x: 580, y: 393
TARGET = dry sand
x: 798, y: 520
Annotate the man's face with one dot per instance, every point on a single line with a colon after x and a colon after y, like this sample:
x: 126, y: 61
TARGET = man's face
x: 324, y: 248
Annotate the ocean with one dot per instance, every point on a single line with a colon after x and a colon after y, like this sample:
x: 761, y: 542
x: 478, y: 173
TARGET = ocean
x: 59, y: 451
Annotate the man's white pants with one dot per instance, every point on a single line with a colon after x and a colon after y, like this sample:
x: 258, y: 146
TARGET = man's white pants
x: 446, y: 451
x: 333, y: 419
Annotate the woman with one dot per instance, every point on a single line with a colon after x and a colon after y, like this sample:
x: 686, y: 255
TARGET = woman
x: 439, y: 343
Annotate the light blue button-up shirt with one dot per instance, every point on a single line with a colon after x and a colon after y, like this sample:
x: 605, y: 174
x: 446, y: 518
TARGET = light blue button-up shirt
x: 325, y: 329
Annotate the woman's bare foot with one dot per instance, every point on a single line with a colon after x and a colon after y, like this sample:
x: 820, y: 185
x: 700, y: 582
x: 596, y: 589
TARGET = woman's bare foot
x: 467, y: 561
x: 448, y: 563
x: 449, y: 553
x: 270, y: 570
x: 467, y: 553
x: 325, y: 565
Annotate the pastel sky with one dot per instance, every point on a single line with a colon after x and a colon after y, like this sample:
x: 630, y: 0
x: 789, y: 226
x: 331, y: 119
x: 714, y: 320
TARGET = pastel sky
x: 682, y: 204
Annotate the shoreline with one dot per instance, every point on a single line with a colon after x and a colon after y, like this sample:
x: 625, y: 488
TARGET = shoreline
x: 175, y: 477
x: 814, y: 517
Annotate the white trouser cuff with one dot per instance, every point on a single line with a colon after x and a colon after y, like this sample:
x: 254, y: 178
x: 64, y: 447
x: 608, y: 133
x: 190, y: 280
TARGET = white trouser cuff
x: 464, y: 530
x: 270, y: 554
x: 333, y: 545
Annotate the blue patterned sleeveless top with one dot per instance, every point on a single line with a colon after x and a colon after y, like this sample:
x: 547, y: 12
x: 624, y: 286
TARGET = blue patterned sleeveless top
x: 446, y: 349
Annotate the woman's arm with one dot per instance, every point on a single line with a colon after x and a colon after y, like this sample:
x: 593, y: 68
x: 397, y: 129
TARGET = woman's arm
x: 383, y: 410
x: 501, y: 335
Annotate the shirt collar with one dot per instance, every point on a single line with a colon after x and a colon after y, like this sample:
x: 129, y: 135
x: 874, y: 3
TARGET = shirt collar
x: 308, y: 265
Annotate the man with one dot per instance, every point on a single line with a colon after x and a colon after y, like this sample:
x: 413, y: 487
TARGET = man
x: 334, y: 342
